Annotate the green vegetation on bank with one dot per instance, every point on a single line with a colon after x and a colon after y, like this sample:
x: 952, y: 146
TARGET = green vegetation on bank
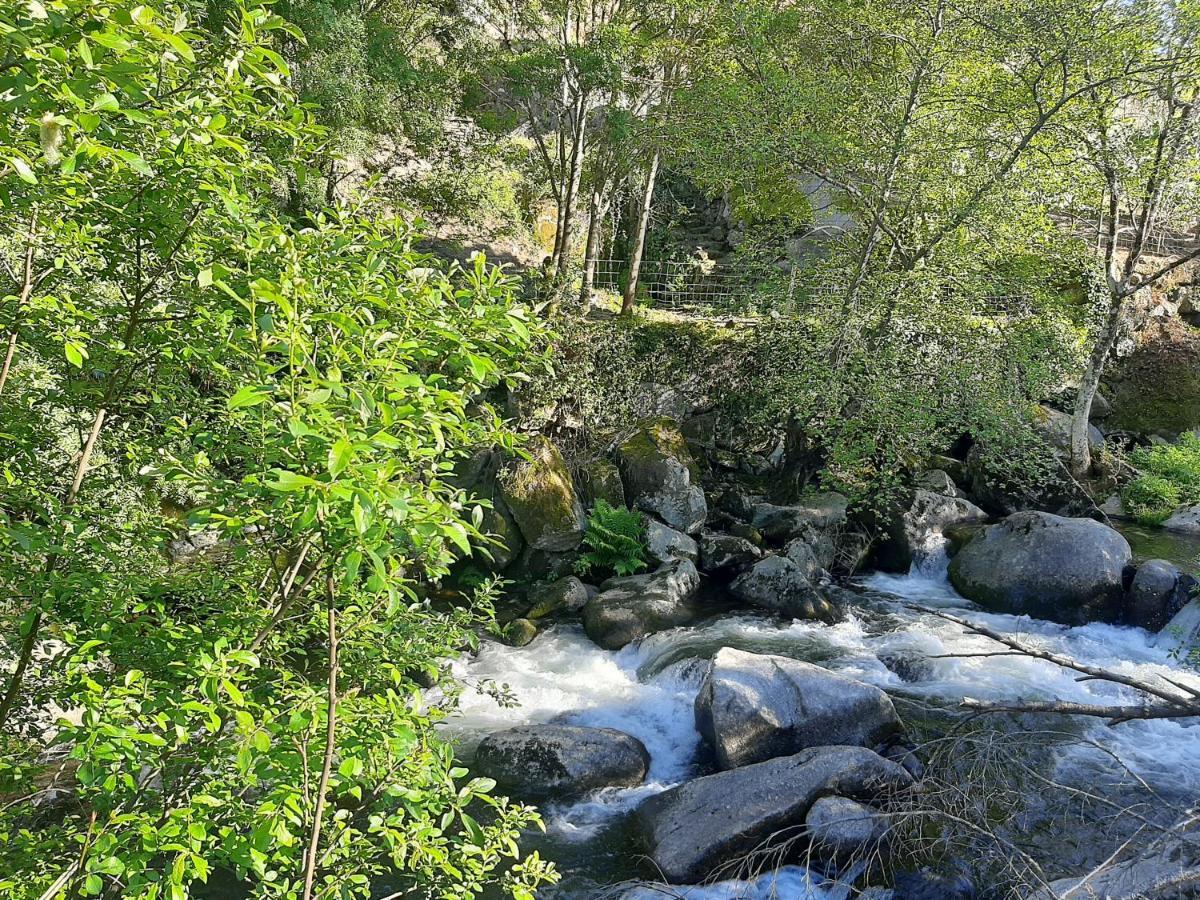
x: 1169, y: 477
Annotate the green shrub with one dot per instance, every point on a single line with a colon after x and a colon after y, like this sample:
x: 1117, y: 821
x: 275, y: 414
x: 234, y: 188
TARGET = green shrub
x: 1169, y: 479
x: 615, y: 542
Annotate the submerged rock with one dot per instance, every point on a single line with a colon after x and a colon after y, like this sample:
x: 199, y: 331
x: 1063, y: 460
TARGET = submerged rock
x: 536, y: 760
x: 660, y: 475
x: 779, y: 585
x: 665, y: 544
x: 632, y: 607
x: 1047, y: 566
x: 692, y: 830
x: 752, y: 707
x: 541, y: 496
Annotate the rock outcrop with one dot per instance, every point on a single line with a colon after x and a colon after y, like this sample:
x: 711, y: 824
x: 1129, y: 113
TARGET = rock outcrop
x: 1047, y: 566
x: 725, y: 555
x: 692, y: 830
x: 660, y: 475
x: 752, y: 707
x: 541, y: 496
x: 780, y: 524
x: 632, y: 607
x: 539, y: 760
x: 665, y: 544
x: 915, y: 531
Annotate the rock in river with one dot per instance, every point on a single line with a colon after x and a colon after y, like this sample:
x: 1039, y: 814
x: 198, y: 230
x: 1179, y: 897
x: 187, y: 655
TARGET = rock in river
x: 632, y: 607
x: 752, y: 707
x: 694, y: 829
x: 778, y: 584
x: 540, y: 494
x: 537, y: 760
x: 660, y: 475
x: 1043, y: 565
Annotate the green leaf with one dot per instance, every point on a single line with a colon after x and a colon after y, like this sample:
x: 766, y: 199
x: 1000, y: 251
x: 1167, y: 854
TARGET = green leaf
x: 24, y: 172
x: 339, y: 456
x: 250, y: 395
x: 105, y: 103
x: 290, y: 481
x: 75, y: 354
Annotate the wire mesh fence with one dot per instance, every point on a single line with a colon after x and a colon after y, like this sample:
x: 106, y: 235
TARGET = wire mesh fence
x: 702, y: 287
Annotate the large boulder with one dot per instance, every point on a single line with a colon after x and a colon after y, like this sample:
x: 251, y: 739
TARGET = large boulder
x: 694, y: 829
x: 1047, y: 566
x: 1158, y: 592
x: 660, y: 475
x: 632, y: 607
x: 779, y: 585
x: 1181, y: 636
x: 541, y: 496
x: 726, y: 555
x: 665, y: 544
x: 752, y: 707
x: 537, y: 760
x: 918, y: 530
x: 1184, y: 521
x: 782, y: 523
x: 1054, y: 427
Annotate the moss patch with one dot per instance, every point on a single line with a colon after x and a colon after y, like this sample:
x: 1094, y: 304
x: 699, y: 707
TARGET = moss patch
x: 1157, y: 389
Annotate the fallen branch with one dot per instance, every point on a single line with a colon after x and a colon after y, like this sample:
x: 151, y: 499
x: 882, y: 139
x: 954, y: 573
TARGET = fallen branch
x: 1172, y: 705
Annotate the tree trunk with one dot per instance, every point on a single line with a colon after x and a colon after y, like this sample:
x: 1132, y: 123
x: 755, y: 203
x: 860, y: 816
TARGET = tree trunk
x: 1081, y: 452
x: 571, y: 189
x: 595, y: 227
x: 639, y: 239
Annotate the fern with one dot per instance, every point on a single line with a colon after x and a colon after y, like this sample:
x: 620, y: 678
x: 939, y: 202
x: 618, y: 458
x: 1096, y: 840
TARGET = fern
x: 615, y: 541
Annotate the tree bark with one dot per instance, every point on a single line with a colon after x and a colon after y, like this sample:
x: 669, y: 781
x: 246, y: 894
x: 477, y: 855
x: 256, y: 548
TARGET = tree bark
x: 639, y: 238
x: 1081, y: 413
x: 566, y: 223
x: 331, y: 698
x: 591, y: 250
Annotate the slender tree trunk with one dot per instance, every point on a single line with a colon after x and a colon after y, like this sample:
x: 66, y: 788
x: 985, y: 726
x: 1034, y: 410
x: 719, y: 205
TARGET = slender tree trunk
x: 27, y: 282
x: 1081, y: 414
x: 331, y: 698
x: 29, y: 641
x: 574, y: 174
x: 639, y: 238
x: 595, y: 226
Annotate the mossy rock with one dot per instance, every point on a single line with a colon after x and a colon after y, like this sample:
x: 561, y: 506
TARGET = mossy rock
x: 478, y: 476
x: 603, y: 482
x: 541, y: 496
x: 1156, y: 390
x: 660, y: 475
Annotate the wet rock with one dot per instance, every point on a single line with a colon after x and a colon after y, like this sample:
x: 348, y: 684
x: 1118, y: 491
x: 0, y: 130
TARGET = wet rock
x: 520, y: 632
x: 537, y: 760
x: 802, y: 554
x: 1184, y: 521
x: 752, y: 707
x: 841, y: 828
x: 665, y: 544
x: 917, y: 531
x: 566, y: 595
x: 661, y: 477
x: 781, y: 523
x: 1047, y: 566
x: 726, y: 556
x: 1181, y: 636
x: 541, y: 496
x: 777, y: 584
x: 602, y: 481
x: 692, y: 830
x: 632, y: 607
x: 1158, y: 592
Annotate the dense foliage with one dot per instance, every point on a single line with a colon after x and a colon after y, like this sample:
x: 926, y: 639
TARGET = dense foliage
x: 228, y: 438
x: 1169, y: 477
x: 614, y: 543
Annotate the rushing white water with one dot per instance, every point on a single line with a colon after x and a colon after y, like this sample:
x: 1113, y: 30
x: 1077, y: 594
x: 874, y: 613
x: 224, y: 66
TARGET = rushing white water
x: 648, y: 690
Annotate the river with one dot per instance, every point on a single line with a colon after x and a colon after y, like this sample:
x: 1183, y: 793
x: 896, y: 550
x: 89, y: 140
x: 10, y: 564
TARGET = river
x: 648, y: 689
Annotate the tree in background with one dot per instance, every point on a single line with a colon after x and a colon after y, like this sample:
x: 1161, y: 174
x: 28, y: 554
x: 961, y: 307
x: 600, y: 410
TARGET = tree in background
x: 1138, y: 134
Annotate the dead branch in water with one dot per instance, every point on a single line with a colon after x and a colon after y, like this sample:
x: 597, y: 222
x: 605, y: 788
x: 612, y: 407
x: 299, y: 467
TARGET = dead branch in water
x: 1180, y: 701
